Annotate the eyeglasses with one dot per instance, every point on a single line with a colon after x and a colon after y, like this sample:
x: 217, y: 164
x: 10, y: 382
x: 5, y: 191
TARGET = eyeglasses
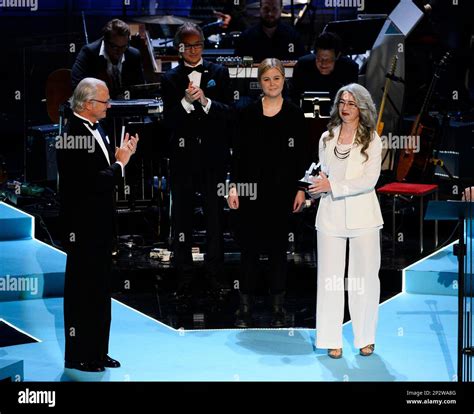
x: 325, y: 60
x: 107, y: 102
x: 195, y: 46
x: 350, y: 104
x: 118, y: 47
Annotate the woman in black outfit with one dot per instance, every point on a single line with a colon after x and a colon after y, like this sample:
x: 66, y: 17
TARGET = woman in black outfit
x: 269, y: 158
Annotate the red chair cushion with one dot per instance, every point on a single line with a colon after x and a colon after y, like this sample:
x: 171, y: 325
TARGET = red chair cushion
x: 408, y: 189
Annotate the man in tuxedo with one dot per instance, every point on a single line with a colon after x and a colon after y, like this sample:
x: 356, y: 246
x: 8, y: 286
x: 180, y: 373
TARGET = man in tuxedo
x: 111, y: 59
x: 271, y: 37
x: 196, y: 97
x: 325, y: 70
x: 89, y: 168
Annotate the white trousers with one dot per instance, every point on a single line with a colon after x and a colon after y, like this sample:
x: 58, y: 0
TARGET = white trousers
x: 363, y: 287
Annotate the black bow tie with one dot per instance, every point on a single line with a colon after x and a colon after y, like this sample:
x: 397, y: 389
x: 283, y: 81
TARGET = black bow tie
x: 92, y: 126
x: 198, y: 68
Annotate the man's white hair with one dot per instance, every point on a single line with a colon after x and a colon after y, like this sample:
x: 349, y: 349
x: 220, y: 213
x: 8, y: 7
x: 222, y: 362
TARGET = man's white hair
x: 85, y: 91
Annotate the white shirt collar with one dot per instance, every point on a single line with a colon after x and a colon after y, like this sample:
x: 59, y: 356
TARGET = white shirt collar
x: 193, y: 66
x: 103, y: 53
x: 97, y: 136
x: 85, y: 119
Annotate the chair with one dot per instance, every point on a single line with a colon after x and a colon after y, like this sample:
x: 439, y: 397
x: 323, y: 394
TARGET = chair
x: 412, y: 190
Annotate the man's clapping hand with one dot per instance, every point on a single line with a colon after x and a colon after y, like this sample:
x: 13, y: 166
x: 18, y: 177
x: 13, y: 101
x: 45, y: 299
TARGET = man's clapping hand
x: 195, y: 93
x: 128, y: 148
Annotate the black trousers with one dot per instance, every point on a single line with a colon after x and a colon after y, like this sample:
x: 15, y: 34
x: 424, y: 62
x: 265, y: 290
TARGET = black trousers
x: 277, y: 271
x: 87, y: 303
x: 183, y: 188
x: 263, y: 230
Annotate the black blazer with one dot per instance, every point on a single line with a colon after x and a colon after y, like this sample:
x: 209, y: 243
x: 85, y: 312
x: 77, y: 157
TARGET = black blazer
x: 87, y: 190
x: 90, y: 64
x: 265, y: 157
x: 205, y: 136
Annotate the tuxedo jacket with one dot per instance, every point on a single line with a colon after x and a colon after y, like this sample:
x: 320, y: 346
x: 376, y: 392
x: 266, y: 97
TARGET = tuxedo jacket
x: 87, y: 190
x: 197, y: 138
x: 358, y: 186
x: 90, y: 64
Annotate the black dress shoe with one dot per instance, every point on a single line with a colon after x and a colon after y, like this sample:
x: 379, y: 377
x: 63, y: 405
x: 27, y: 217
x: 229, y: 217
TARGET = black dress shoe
x: 111, y: 363
x: 243, y: 316
x: 279, y: 312
x: 85, y: 366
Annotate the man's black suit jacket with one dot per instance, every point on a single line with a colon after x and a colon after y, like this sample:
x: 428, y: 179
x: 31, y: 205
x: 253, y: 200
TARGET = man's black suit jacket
x: 90, y: 64
x: 206, y: 137
x: 87, y: 189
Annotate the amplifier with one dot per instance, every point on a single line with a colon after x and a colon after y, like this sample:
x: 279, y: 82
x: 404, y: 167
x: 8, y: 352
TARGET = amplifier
x: 41, y: 165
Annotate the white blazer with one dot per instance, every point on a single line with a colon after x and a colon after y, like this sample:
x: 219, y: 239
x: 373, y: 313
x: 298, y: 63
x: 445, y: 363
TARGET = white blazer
x: 358, y: 187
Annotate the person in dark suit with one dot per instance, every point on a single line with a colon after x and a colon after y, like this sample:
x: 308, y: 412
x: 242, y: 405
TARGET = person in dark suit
x: 110, y: 59
x: 270, y: 37
x: 89, y: 168
x: 196, y: 97
x: 325, y: 70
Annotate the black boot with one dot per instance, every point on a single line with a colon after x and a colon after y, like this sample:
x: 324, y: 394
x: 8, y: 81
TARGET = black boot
x: 278, y: 311
x: 243, y: 316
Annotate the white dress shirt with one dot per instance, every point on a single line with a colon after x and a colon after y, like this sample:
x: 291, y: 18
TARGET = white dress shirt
x: 195, y: 78
x: 110, y: 66
x: 96, y: 134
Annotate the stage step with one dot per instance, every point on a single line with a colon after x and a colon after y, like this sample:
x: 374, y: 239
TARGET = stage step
x: 15, y: 224
x: 11, y: 371
x: 435, y: 275
x: 29, y: 268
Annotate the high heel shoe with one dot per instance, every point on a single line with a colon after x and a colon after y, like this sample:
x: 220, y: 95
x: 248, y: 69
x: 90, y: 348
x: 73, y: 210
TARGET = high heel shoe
x: 367, y: 350
x: 335, y: 353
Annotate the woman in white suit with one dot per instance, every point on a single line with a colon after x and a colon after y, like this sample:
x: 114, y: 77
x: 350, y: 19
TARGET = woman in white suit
x: 350, y: 155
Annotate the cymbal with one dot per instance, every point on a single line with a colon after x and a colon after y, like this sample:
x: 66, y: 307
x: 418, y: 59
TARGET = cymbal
x: 169, y: 20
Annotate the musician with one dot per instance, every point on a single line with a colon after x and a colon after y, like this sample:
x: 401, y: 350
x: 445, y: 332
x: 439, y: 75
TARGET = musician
x: 270, y: 37
x: 350, y: 154
x: 87, y: 178
x: 270, y: 154
x: 110, y: 59
x: 325, y: 70
x: 232, y: 16
x: 196, y: 97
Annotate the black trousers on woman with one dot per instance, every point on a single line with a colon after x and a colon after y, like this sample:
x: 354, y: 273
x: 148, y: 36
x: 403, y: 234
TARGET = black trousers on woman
x: 263, y: 231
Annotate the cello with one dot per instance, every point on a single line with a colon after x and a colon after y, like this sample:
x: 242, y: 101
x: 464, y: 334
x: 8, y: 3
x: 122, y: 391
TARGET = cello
x: 415, y: 165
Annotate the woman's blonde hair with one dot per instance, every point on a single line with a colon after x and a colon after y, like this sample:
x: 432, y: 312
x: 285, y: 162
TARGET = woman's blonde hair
x: 367, y: 116
x: 270, y: 63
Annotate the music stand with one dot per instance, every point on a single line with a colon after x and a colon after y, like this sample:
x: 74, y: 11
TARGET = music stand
x: 358, y: 35
x: 316, y: 104
x: 459, y: 211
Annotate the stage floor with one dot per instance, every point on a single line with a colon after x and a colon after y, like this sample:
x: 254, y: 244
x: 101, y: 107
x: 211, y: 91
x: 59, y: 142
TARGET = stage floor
x: 416, y: 341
